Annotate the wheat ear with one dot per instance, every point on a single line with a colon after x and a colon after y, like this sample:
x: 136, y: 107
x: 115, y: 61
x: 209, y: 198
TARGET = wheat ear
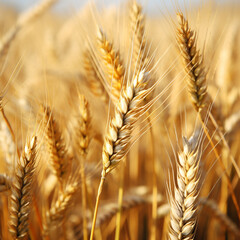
x: 196, y: 74
x: 56, y: 146
x: 20, y: 203
x: 82, y: 127
x: 113, y: 63
x: 93, y: 77
x: 183, y: 204
x: 56, y: 214
x: 140, y: 44
x: 118, y: 136
x: 57, y: 211
x: 193, y: 62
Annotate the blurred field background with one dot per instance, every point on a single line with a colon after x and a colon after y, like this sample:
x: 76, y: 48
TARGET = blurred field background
x: 52, y: 59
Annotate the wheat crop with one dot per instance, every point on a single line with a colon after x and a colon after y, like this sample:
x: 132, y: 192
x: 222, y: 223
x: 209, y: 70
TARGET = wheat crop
x: 120, y: 122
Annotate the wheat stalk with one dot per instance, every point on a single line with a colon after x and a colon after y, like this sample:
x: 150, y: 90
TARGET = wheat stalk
x: 20, y: 204
x: 183, y: 204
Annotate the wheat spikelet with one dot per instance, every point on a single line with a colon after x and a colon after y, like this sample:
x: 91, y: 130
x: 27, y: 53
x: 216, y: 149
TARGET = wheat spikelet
x: 183, y: 204
x: 93, y: 78
x: 82, y: 127
x: 56, y: 146
x: 140, y: 46
x: 20, y: 203
x: 113, y: 63
x: 57, y: 211
x: 5, y: 182
x: 120, y: 126
x: 228, y: 223
x: 193, y: 62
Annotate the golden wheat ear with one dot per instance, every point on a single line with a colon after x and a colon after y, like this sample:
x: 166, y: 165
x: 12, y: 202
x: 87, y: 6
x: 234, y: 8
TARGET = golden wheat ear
x: 81, y: 130
x: 141, y: 47
x: 113, y: 63
x: 193, y: 62
x: 183, y: 203
x: 56, y: 214
x: 94, y: 77
x: 60, y: 160
x: 20, y: 203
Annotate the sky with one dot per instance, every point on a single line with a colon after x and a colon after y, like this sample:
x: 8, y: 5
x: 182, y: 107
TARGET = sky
x: 68, y: 6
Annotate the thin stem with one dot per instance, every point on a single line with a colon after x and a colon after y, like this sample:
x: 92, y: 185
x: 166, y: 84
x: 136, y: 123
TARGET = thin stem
x: 120, y: 201
x: 97, y: 203
x: 222, y: 166
x: 84, y: 202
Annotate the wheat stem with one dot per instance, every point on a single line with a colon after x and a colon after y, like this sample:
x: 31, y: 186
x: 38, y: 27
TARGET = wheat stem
x: 100, y: 187
x: 120, y: 202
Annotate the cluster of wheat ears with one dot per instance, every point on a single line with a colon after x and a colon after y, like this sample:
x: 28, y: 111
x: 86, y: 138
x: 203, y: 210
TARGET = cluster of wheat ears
x: 118, y: 126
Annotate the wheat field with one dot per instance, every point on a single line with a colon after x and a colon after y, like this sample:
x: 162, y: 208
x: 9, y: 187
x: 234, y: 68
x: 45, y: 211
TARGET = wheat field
x: 120, y: 124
